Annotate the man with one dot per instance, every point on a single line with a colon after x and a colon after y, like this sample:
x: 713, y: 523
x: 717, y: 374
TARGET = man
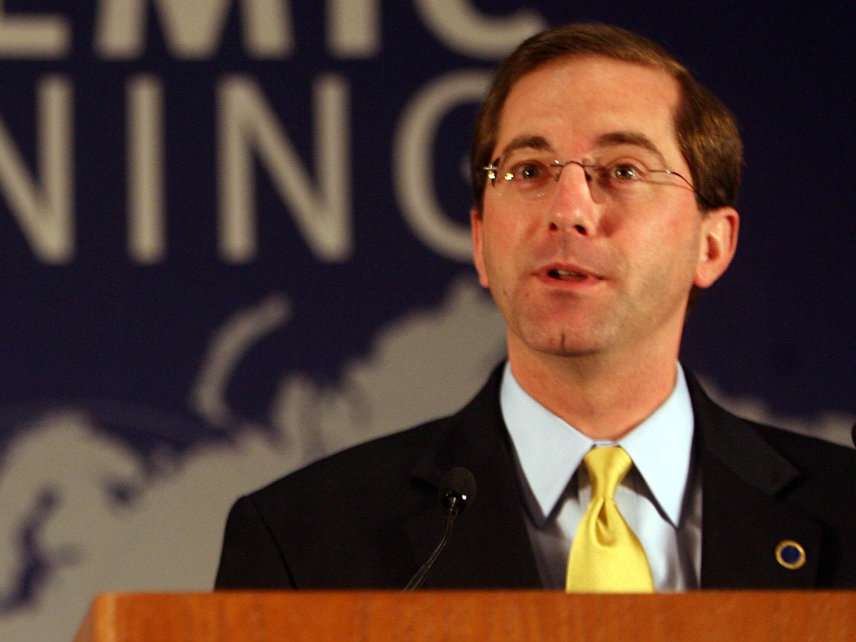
x: 605, y: 179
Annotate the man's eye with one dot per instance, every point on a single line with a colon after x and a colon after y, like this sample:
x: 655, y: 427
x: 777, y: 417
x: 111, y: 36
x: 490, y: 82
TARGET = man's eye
x: 528, y: 171
x: 626, y: 172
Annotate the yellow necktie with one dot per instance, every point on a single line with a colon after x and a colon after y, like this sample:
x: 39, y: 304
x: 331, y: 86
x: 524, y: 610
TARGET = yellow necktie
x: 606, y: 557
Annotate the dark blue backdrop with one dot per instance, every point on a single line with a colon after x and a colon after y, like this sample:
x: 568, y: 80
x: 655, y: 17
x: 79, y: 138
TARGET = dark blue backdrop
x: 101, y: 326
x: 103, y: 330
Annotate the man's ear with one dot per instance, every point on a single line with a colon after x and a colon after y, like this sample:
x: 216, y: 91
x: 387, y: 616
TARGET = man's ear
x: 476, y: 231
x: 717, y: 245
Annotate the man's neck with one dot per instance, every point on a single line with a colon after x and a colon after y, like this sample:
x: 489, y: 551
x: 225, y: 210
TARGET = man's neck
x: 602, y: 397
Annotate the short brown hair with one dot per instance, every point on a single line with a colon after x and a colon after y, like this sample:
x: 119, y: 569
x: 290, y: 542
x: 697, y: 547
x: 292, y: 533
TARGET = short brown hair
x: 706, y: 130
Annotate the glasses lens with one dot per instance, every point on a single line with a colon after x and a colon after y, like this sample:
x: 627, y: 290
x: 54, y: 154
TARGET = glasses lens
x: 526, y: 176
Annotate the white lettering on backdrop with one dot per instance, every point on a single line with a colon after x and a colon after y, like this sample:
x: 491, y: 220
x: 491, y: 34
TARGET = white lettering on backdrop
x: 248, y: 127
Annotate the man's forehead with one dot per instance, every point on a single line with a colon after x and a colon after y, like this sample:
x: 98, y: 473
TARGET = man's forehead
x: 610, y: 101
x: 591, y: 68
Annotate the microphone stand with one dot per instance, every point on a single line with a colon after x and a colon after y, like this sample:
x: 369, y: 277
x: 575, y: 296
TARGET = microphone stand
x: 454, y: 503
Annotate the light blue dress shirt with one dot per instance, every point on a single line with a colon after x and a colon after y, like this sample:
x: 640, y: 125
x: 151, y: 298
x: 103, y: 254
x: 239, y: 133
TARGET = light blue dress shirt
x: 660, y: 498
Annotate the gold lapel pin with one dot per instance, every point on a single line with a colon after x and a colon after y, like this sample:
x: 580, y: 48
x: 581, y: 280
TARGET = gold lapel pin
x: 790, y: 554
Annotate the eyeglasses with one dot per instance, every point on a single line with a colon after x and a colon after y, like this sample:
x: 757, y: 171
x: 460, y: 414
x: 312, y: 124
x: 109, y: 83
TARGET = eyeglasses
x: 531, y: 177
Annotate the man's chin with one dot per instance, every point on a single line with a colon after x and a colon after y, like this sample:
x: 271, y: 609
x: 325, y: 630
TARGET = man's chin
x: 564, y: 342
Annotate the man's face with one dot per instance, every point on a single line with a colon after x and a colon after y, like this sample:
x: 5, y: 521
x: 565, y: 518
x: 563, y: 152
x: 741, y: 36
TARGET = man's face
x: 577, y: 274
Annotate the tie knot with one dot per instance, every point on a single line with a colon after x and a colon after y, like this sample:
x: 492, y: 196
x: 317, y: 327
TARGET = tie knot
x: 607, y: 466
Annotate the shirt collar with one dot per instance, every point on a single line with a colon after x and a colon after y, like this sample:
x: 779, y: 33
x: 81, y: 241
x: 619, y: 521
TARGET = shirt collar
x: 550, y: 450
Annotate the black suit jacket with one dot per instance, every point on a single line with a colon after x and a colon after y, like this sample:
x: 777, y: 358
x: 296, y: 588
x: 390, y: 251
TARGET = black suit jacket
x: 369, y: 516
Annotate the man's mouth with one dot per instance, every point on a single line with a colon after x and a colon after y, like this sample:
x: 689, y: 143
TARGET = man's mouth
x: 566, y: 275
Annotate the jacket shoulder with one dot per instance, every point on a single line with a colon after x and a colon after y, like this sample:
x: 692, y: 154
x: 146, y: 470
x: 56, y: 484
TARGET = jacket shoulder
x: 398, y: 456
x: 369, y: 465
x: 827, y: 474
x: 806, y: 451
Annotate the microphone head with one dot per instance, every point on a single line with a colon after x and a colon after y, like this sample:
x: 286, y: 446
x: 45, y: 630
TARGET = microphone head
x: 458, y: 489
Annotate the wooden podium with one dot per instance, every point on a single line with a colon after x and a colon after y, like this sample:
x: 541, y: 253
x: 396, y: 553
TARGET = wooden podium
x: 483, y: 616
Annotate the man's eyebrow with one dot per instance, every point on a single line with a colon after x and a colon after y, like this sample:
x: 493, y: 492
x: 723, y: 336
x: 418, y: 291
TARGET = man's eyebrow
x: 637, y: 139
x: 525, y: 142
x: 611, y: 139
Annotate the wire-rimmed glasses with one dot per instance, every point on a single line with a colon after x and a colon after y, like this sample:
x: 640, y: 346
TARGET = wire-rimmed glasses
x: 532, y: 176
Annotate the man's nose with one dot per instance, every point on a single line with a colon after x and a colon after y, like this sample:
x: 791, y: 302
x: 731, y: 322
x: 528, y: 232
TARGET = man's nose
x: 572, y: 208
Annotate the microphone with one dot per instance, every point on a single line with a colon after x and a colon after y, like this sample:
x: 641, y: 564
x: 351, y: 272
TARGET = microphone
x: 457, y: 490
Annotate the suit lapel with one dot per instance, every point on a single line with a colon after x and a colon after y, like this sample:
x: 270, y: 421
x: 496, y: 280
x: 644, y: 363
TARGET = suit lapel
x: 744, y: 515
x: 489, y: 547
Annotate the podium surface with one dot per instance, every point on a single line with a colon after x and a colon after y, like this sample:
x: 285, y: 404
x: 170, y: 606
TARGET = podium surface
x: 483, y: 616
